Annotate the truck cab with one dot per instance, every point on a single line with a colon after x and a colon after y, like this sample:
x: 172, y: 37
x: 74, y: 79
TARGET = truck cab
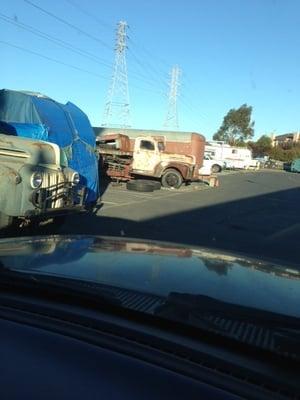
x: 146, y: 155
x: 151, y: 159
x: 36, y: 183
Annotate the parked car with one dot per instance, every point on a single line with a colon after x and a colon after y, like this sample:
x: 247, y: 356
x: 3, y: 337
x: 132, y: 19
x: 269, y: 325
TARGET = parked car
x: 295, y: 165
x: 274, y: 164
x: 211, y: 166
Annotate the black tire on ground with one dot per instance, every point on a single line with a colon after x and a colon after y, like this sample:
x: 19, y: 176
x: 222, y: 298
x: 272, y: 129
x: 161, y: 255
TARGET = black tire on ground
x: 216, y: 168
x: 172, y: 178
x: 5, y: 221
x: 156, y: 184
x: 139, y: 186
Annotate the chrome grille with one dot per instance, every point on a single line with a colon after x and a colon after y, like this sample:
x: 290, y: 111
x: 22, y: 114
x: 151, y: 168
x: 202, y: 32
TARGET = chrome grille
x: 53, y: 182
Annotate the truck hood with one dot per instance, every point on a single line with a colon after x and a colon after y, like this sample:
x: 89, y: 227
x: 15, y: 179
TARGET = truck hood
x: 35, y: 152
x: 159, y: 269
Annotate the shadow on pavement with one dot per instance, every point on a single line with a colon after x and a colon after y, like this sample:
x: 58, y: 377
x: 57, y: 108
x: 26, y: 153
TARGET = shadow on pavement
x: 266, y: 226
x: 262, y: 226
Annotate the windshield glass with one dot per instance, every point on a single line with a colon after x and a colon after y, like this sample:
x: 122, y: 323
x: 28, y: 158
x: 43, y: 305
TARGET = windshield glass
x: 178, y: 122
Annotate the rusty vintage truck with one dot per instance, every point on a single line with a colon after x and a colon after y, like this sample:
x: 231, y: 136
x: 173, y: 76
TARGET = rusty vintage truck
x: 36, y: 184
x: 171, y: 157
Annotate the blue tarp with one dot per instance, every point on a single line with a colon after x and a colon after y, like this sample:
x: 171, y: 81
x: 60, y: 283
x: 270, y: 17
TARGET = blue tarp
x: 32, y: 131
x: 39, y: 117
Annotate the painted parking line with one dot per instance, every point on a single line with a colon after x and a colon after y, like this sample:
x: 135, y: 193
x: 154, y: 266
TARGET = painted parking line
x: 143, y: 200
x: 108, y: 202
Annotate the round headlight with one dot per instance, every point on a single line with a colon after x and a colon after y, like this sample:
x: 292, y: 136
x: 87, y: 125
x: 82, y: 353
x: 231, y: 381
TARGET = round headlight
x: 75, y: 179
x: 36, y: 180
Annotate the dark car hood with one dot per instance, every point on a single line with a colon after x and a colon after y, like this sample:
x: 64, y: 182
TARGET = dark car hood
x: 158, y: 268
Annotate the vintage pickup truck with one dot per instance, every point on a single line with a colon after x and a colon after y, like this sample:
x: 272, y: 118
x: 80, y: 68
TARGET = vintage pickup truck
x: 172, y: 158
x: 35, y: 182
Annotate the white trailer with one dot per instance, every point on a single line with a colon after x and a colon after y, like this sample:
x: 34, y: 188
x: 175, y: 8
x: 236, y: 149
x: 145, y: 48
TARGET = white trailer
x: 234, y: 157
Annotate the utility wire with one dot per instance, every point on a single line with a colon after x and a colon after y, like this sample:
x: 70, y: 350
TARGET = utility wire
x: 68, y: 24
x: 145, y: 78
x: 54, y: 40
x: 52, y: 59
x: 149, y: 79
x: 69, y: 65
x: 192, y: 113
x: 89, y: 14
x: 192, y: 108
x: 152, y: 55
x: 65, y: 45
x: 155, y: 70
x: 144, y: 67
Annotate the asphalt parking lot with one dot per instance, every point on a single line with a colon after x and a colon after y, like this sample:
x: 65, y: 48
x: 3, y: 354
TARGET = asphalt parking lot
x: 256, y: 213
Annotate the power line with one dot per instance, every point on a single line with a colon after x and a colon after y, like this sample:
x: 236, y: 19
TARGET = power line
x: 150, y: 79
x: 101, y: 22
x: 84, y: 11
x: 193, y: 119
x: 54, y: 40
x: 192, y: 108
x: 151, y: 56
x: 146, y: 66
x: 68, y: 24
x: 68, y: 46
x: 52, y: 59
x: 69, y: 65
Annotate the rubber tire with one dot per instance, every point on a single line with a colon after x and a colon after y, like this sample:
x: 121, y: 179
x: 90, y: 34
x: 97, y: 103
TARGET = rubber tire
x: 5, y: 221
x: 171, y: 171
x: 156, y: 184
x: 216, y: 168
x: 139, y: 186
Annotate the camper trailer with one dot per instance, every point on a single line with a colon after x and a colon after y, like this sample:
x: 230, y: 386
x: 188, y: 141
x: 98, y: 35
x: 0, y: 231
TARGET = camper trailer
x: 234, y: 157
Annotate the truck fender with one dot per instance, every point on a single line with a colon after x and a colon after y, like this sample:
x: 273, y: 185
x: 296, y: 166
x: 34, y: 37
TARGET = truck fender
x: 9, y: 178
x: 182, y: 168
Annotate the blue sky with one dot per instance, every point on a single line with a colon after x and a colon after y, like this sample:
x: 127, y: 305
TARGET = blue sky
x: 230, y: 52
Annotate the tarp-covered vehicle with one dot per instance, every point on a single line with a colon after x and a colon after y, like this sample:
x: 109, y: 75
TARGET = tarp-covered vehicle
x: 37, y: 116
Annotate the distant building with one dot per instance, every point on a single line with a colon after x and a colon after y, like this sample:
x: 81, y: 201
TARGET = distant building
x: 293, y: 137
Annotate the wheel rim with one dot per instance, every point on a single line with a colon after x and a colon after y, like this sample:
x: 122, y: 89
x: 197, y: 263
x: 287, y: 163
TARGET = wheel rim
x: 172, y: 179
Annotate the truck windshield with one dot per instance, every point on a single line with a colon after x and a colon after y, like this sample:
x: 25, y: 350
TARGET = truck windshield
x: 147, y: 145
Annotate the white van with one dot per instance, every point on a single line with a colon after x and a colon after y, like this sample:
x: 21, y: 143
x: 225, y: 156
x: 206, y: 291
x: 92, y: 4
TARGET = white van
x: 234, y: 157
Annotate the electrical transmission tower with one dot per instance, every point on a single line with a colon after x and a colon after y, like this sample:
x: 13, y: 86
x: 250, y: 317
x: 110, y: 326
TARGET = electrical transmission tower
x: 117, y: 111
x: 171, y: 120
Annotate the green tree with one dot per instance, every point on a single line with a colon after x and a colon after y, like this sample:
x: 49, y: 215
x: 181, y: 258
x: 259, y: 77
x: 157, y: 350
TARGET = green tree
x: 261, y: 147
x: 281, y: 154
x: 237, y: 126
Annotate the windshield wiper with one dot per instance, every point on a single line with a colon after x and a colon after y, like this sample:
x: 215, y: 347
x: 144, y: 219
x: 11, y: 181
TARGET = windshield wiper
x: 275, y: 332
x: 62, y: 289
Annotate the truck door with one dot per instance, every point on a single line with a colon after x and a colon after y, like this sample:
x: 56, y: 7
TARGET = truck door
x: 145, y: 156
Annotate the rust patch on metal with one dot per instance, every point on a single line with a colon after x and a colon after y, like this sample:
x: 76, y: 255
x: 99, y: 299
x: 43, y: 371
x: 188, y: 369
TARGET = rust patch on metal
x: 186, y: 171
